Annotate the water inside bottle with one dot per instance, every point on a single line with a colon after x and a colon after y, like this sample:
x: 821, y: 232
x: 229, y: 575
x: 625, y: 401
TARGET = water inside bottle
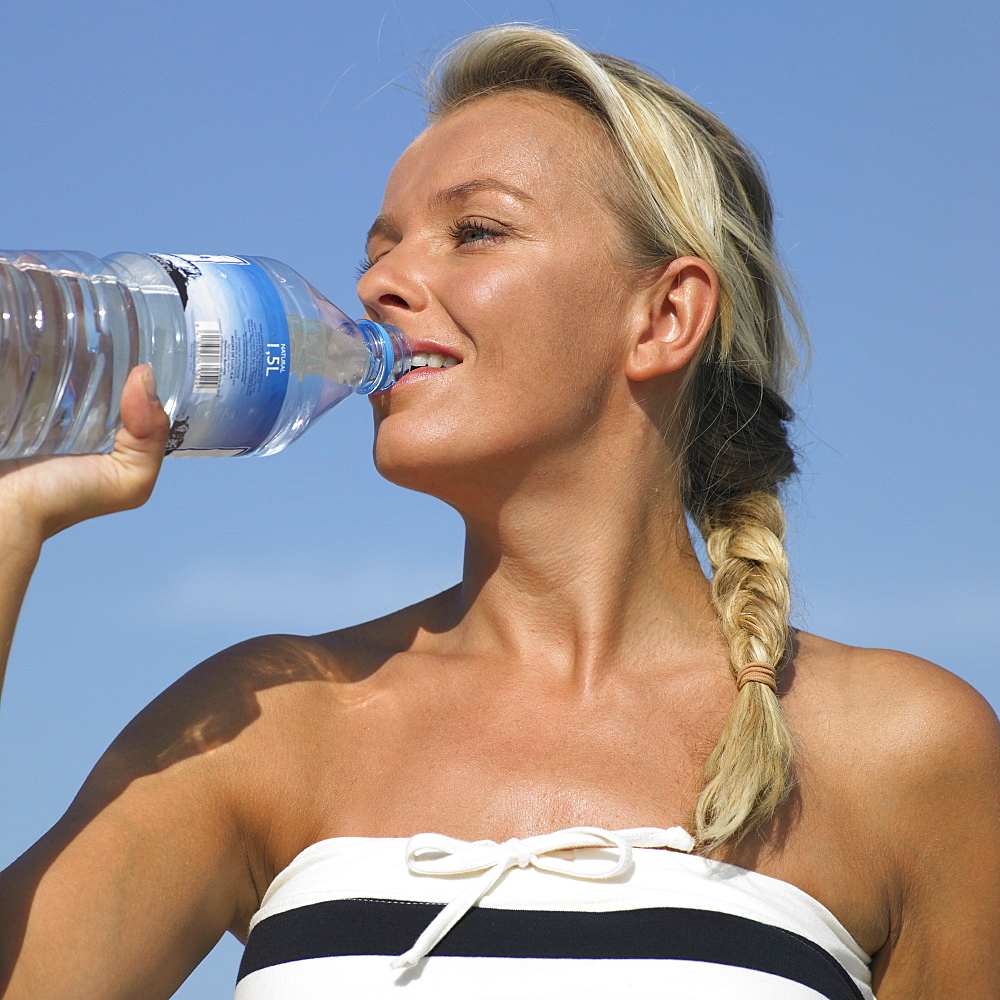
x: 58, y: 393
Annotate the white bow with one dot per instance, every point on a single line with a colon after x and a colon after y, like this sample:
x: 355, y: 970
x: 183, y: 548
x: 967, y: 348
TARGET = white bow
x: 459, y: 857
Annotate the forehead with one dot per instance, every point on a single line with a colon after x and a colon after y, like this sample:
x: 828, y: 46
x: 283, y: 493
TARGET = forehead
x: 543, y: 145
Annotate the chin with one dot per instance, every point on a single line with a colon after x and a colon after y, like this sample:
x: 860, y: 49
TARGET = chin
x: 433, y: 461
x: 415, y: 459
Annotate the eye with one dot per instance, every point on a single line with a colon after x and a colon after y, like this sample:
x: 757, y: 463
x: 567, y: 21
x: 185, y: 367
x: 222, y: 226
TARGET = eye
x: 363, y: 265
x: 469, y: 231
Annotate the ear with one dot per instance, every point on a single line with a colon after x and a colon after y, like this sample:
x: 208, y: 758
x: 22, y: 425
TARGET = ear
x: 678, y: 309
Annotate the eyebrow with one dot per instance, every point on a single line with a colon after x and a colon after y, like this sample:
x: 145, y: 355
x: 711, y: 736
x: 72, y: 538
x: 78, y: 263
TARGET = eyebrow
x: 384, y: 225
x: 459, y: 191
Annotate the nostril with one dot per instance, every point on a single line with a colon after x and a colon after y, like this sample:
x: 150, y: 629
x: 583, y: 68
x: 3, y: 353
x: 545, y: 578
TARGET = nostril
x: 393, y: 300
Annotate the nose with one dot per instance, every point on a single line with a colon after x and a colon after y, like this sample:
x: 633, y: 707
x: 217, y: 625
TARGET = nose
x: 392, y: 287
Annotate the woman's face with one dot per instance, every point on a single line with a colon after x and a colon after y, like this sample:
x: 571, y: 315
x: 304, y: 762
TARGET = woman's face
x: 495, y: 246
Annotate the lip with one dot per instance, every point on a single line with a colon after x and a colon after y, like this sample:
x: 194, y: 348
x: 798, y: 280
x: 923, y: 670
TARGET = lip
x: 422, y: 346
x: 413, y: 377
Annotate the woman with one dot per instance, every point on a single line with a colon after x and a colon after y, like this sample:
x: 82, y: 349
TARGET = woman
x: 596, y: 251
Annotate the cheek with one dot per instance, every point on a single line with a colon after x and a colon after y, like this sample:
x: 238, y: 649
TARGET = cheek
x: 484, y: 298
x: 565, y: 312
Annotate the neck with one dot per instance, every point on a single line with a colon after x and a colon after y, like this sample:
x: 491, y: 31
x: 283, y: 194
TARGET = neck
x: 587, y: 567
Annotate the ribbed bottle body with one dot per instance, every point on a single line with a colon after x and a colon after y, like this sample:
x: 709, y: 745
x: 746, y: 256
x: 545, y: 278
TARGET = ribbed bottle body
x: 71, y: 329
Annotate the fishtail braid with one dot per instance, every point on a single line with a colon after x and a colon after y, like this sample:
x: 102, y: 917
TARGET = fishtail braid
x: 738, y: 455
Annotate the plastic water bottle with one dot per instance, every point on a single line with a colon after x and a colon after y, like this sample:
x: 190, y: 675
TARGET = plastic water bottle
x: 245, y: 352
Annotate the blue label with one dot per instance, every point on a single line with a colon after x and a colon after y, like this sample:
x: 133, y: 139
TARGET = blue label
x: 239, y: 354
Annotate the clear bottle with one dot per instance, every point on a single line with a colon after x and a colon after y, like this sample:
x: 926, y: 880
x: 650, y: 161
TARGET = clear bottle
x: 245, y: 352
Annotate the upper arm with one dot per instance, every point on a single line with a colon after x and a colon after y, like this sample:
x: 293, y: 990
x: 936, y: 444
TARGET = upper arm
x: 146, y: 870
x: 942, y: 839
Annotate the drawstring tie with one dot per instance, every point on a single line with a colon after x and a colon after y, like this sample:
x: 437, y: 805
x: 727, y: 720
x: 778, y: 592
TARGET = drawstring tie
x: 460, y: 857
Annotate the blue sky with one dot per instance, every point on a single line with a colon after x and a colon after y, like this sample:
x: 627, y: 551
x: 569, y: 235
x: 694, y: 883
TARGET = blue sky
x: 245, y: 127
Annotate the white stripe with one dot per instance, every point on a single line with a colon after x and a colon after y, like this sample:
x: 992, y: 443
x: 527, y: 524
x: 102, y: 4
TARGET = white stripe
x: 366, y: 977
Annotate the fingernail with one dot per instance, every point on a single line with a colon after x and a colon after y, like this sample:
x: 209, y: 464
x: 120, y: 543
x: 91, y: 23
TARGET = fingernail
x: 149, y: 381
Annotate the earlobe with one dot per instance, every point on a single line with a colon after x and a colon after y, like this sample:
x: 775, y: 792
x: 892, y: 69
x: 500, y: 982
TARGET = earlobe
x: 679, y: 307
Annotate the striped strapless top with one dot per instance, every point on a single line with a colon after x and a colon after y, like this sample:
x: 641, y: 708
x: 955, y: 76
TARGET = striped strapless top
x: 585, y: 913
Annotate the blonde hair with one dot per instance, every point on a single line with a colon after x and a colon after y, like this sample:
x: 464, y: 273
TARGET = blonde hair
x: 692, y: 188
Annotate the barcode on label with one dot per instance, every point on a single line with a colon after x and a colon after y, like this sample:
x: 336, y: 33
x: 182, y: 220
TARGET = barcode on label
x: 207, y: 356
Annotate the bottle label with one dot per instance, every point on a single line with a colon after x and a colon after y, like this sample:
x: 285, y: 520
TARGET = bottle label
x: 238, y: 354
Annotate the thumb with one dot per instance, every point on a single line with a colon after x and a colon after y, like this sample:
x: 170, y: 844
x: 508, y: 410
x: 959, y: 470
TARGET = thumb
x: 142, y: 439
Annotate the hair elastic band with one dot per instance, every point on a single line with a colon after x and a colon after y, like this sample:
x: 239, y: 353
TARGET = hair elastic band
x: 760, y: 673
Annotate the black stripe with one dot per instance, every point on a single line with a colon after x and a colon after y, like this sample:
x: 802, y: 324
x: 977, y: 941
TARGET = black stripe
x: 390, y: 927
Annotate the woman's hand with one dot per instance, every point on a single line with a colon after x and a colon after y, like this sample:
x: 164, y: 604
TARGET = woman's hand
x: 41, y: 496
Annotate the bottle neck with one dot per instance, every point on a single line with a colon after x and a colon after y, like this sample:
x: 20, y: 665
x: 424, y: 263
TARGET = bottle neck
x: 390, y: 355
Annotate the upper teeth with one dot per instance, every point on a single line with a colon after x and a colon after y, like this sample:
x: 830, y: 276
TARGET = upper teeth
x: 432, y: 361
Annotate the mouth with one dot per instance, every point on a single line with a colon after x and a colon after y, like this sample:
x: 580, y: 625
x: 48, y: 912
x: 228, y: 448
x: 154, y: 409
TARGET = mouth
x: 429, y: 360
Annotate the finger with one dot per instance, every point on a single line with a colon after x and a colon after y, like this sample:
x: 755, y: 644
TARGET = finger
x: 141, y: 440
x: 143, y: 418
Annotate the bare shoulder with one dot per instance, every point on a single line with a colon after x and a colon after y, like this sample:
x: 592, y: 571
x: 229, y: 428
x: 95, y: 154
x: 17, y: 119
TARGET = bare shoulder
x: 218, y: 703
x: 266, y: 681
x: 909, y: 757
x: 258, y: 697
x: 205, y: 742
x: 915, y: 717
